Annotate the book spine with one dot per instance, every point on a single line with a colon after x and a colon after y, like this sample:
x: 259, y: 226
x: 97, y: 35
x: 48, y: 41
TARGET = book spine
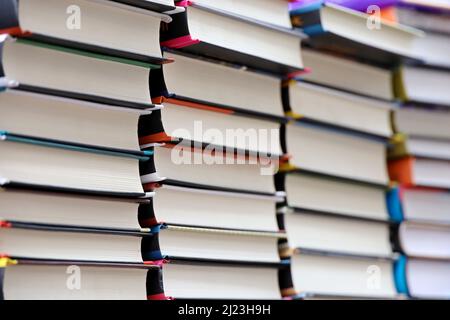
x: 305, y: 5
x: 401, y: 170
x: 151, y: 129
x: 155, y: 289
x: 286, y: 283
x: 394, y: 204
x: 2, y: 276
x: 307, y: 18
x: 5, y: 261
x: 146, y: 215
x: 3, y: 82
x: 151, y: 250
x: 9, y: 17
x: 400, y: 275
x: 149, y: 177
x: 176, y: 34
x: 158, y: 85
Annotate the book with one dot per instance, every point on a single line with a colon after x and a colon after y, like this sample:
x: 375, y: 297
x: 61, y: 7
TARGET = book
x: 205, y: 169
x: 28, y: 280
x: 434, y: 50
x: 312, y: 103
x: 215, y: 34
x: 265, y: 11
x: 421, y: 147
x: 29, y: 241
x: 423, y: 278
x: 192, y: 207
x: 207, y: 82
x: 190, y: 280
x: 323, y: 194
x: 433, y: 21
x: 328, y: 151
x: 417, y: 171
x: 422, y: 122
x: 75, y: 74
x: 136, y: 37
x: 338, y: 234
x: 413, y: 84
x: 70, y: 121
x: 360, y: 78
x: 424, y: 240
x: 204, y: 244
x: 433, y: 17
x: 41, y: 164
x: 67, y: 209
x: 333, y: 27
x: 337, y: 275
x: 423, y: 205
x: 199, y: 124
x: 384, y: 9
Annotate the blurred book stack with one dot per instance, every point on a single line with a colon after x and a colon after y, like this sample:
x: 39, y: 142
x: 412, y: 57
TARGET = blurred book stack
x: 420, y: 157
x: 218, y: 147
x: 74, y: 83
x: 336, y: 216
x: 431, y: 16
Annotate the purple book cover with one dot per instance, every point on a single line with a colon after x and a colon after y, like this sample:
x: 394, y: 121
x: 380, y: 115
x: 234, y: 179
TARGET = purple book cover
x: 359, y: 5
x: 436, y: 6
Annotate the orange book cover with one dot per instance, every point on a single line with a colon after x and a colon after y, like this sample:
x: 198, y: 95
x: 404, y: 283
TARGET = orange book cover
x: 401, y: 170
x: 389, y: 14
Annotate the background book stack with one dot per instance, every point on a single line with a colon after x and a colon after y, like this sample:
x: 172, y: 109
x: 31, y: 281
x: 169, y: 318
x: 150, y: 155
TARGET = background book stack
x: 417, y: 152
x: 72, y: 94
x: 336, y: 216
x: 420, y: 158
x: 419, y: 155
x: 218, y: 146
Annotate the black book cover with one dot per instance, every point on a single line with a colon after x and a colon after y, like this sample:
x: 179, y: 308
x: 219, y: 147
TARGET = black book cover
x: 2, y: 71
x: 146, y: 215
x: 176, y: 29
x: 285, y: 280
x: 2, y: 277
x: 305, y: 19
x: 148, y: 167
x: 9, y: 17
x: 155, y: 286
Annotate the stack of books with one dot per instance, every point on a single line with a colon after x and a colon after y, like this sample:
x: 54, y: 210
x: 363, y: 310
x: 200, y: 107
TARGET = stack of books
x: 433, y: 17
x: 74, y: 84
x: 420, y: 158
x: 209, y: 150
x: 216, y: 146
x: 336, y: 215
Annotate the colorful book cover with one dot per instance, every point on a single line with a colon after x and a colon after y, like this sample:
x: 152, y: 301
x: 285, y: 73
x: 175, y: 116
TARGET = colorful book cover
x: 359, y: 5
x: 432, y: 6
